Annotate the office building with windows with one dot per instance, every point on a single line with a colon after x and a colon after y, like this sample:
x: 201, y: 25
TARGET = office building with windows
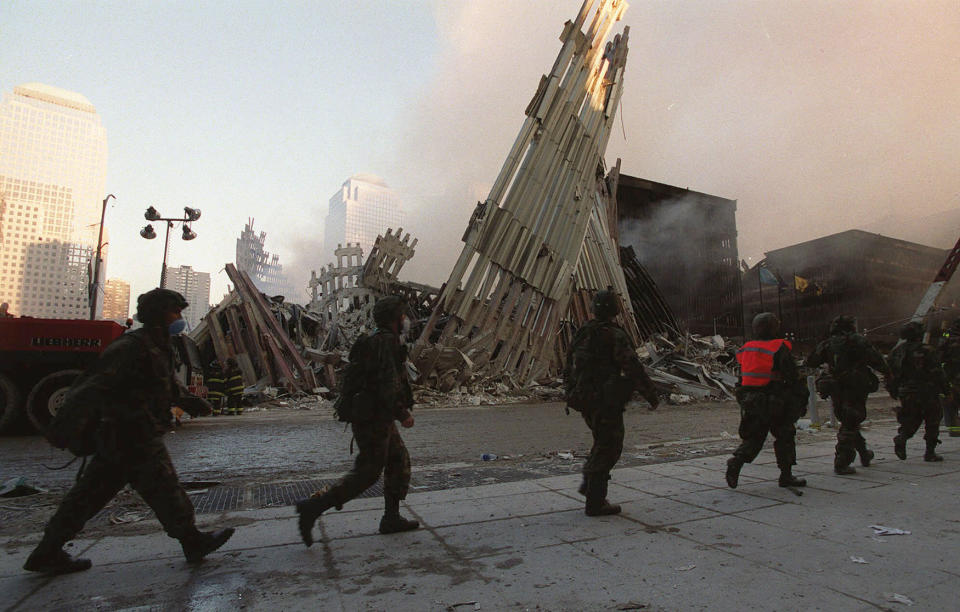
x: 195, y: 287
x: 53, y: 167
x: 363, y: 208
x: 116, y: 300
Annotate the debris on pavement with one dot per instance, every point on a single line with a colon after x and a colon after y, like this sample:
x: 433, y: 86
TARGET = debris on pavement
x: 880, y: 530
x: 685, y: 568
x: 18, y: 486
x: 859, y: 560
x: 898, y: 598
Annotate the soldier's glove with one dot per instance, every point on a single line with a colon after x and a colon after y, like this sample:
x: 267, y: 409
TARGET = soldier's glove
x: 195, y: 406
x: 653, y: 399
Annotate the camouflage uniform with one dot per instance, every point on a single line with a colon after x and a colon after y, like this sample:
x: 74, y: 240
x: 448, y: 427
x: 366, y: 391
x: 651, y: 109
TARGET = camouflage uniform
x: 949, y: 355
x: 594, y: 385
x: 597, y: 389
x: 133, y: 385
x: 774, y: 409
x: 772, y: 397
x: 917, y: 380
x: 849, y: 358
x: 381, y: 449
x: 135, y: 377
x: 379, y: 390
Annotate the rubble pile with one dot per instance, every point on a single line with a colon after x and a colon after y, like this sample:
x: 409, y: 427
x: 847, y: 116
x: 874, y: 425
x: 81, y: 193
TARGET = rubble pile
x: 260, y: 334
x: 692, y: 366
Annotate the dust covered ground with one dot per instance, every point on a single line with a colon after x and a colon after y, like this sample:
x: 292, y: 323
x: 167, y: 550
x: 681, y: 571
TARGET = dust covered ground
x: 284, y: 445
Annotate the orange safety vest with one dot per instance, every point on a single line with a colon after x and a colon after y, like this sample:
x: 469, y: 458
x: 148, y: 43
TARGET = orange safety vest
x: 756, y: 361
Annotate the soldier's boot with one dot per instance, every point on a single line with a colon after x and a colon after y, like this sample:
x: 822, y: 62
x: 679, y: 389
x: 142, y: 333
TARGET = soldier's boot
x: 582, y: 489
x: 931, y: 454
x: 787, y: 479
x: 199, y: 544
x: 899, y: 447
x: 733, y: 471
x: 392, y: 522
x: 597, y: 504
x: 50, y: 558
x: 866, y: 455
x: 309, y: 510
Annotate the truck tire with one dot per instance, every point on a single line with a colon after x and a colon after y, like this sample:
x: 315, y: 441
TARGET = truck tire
x: 11, y: 403
x: 47, y: 395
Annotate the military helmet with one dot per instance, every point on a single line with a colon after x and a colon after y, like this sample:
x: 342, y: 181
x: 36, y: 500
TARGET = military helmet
x: 605, y: 304
x: 152, y: 305
x: 387, y: 310
x: 912, y: 331
x: 766, y: 326
x: 842, y: 324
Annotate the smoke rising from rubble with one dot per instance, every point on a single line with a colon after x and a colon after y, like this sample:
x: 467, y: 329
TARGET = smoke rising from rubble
x: 816, y: 117
x: 668, y: 232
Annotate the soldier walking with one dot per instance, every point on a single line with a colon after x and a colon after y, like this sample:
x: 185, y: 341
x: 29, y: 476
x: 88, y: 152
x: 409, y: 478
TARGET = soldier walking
x: 132, y: 386
x: 849, y: 358
x: 772, y: 398
x: 375, y: 393
x: 949, y: 356
x: 918, y: 381
x: 602, y: 372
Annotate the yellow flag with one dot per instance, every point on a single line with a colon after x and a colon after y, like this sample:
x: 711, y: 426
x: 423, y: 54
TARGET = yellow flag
x: 800, y: 283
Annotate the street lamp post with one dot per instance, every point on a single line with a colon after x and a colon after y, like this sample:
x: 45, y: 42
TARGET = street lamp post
x: 95, y: 281
x: 190, y: 215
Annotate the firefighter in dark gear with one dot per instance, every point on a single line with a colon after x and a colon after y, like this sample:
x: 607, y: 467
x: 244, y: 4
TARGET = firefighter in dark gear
x: 772, y: 397
x: 215, y: 386
x: 849, y: 358
x: 602, y: 372
x: 133, y: 385
x: 917, y: 380
x: 233, y: 387
x: 949, y: 355
x: 376, y: 392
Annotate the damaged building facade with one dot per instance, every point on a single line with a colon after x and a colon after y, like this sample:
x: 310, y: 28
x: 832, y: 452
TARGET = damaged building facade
x: 687, y: 242
x: 879, y: 280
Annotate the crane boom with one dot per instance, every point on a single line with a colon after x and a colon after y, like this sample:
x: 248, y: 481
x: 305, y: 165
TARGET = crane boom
x: 933, y: 291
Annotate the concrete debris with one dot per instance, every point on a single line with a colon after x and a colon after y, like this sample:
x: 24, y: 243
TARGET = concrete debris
x: 880, y: 530
x: 898, y: 598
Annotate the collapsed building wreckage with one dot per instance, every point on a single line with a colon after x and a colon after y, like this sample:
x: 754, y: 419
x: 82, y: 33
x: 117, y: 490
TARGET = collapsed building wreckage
x: 535, y: 251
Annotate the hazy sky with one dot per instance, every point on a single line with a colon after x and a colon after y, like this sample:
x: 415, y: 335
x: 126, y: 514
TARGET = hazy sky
x: 817, y: 116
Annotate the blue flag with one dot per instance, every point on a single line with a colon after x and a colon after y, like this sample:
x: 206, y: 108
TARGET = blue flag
x: 767, y: 277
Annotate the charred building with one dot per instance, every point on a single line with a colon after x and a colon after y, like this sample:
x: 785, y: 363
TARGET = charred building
x: 877, y: 279
x: 687, y: 241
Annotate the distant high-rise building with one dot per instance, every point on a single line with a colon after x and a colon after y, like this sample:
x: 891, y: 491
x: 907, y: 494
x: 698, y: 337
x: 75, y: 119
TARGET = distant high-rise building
x: 195, y: 287
x: 116, y: 300
x: 53, y: 168
x: 361, y: 210
x: 263, y: 268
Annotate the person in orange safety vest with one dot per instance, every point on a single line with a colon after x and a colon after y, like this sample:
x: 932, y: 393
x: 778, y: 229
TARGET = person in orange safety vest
x: 771, y: 397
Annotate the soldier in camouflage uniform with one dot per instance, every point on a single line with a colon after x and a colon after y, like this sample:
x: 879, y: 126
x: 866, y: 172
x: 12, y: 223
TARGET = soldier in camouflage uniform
x: 595, y: 387
x: 133, y: 385
x: 376, y: 392
x: 772, y: 397
x: 918, y: 381
x: 949, y: 354
x: 849, y: 358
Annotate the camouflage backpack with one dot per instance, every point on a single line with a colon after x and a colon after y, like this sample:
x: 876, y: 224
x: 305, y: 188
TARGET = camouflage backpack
x: 356, y: 404
x: 589, y: 378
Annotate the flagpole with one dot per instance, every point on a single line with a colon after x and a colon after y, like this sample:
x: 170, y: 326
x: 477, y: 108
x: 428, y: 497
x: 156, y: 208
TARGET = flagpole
x: 796, y: 311
x: 760, y: 287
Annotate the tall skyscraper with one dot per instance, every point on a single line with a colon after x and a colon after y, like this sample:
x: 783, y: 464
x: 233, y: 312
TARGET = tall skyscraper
x: 195, y: 287
x: 53, y: 168
x: 362, y: 209
x: 116, y: 300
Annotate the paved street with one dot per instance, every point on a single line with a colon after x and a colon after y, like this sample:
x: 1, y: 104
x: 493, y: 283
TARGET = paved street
x: 683, y: 542
x: 301, y: 449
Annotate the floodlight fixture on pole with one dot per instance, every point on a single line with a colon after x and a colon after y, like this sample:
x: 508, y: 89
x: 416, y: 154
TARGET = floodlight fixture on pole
x: 152, y: 214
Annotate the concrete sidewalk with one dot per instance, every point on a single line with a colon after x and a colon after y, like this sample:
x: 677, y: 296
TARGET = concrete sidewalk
x: 684, y: 541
